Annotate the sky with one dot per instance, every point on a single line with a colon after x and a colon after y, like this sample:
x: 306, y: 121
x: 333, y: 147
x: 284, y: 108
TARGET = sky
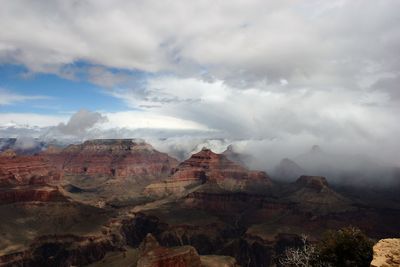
x: 272, y: 77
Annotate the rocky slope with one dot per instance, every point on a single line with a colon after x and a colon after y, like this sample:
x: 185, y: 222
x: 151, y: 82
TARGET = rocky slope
x: 386, y: 253
x: 313, y: 193
x: 231, y: 154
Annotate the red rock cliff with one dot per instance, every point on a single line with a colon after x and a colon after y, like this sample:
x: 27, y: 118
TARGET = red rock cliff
x: 27, y: 170
x: 112, y: 157
x: 209, y: 166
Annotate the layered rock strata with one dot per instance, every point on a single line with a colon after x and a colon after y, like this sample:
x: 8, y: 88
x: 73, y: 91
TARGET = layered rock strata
x: 118, y: 158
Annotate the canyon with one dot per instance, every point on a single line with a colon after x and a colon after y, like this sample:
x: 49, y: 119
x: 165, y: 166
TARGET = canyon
x: 120, y: 202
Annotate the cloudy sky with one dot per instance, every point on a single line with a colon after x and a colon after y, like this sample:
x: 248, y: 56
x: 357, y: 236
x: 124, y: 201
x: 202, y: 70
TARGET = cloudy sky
x: 285, y: 74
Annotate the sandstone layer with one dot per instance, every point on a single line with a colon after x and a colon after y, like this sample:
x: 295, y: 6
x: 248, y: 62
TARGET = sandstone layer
x: 118, y: 158
x: 153, y: 255
x: 215, y: 170
x: 27, y: 170
x: 387, y: 253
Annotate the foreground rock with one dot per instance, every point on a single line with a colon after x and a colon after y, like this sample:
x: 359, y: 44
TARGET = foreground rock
x: 154, y: 255
x: 387, y: 253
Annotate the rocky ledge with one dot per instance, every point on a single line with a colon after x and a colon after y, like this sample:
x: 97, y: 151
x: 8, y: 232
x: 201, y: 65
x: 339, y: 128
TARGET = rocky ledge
x: 387, y: 253
x: 153, y: 255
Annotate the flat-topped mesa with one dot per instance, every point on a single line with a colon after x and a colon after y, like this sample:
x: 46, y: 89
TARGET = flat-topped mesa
x: 27, y: 170
x: 111, y: 145
x: 119, y: 158
x: 317, y: 183
x: 209, y: 166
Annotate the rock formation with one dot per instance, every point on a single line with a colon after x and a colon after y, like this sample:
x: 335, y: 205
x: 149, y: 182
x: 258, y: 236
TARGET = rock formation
x: 27, y: 170
x: 29, y: 194
x: 313, y: 193
x: 238, y: 158
x: 120, y: 158
x: 287, y: 170
x: 151, y: 254
x: 207, y: 167
x: 386, y: 253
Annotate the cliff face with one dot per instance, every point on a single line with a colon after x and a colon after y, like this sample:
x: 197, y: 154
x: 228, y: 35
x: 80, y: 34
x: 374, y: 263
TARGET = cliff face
x: 386, y: 253
x: 27, y: 170
x: 116, y: 158
x: 216, y: 171
x: 209, y: 166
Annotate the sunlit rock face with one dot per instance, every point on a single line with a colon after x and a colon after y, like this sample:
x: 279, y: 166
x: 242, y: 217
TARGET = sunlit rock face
x: 386, y: 253
x: 208, y: 166
x: 111, y: 157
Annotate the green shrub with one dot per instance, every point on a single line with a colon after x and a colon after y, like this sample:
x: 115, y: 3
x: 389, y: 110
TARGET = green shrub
x: 342, y: 248
x: 346, y: 247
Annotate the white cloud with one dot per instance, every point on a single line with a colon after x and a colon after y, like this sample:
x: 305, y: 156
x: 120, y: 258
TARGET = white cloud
x: 80, y: 122
x: 9, y: 98
x: 26, y: 120
x: 288, y: 72
x: 148, y: 120
x: 240, y: 42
